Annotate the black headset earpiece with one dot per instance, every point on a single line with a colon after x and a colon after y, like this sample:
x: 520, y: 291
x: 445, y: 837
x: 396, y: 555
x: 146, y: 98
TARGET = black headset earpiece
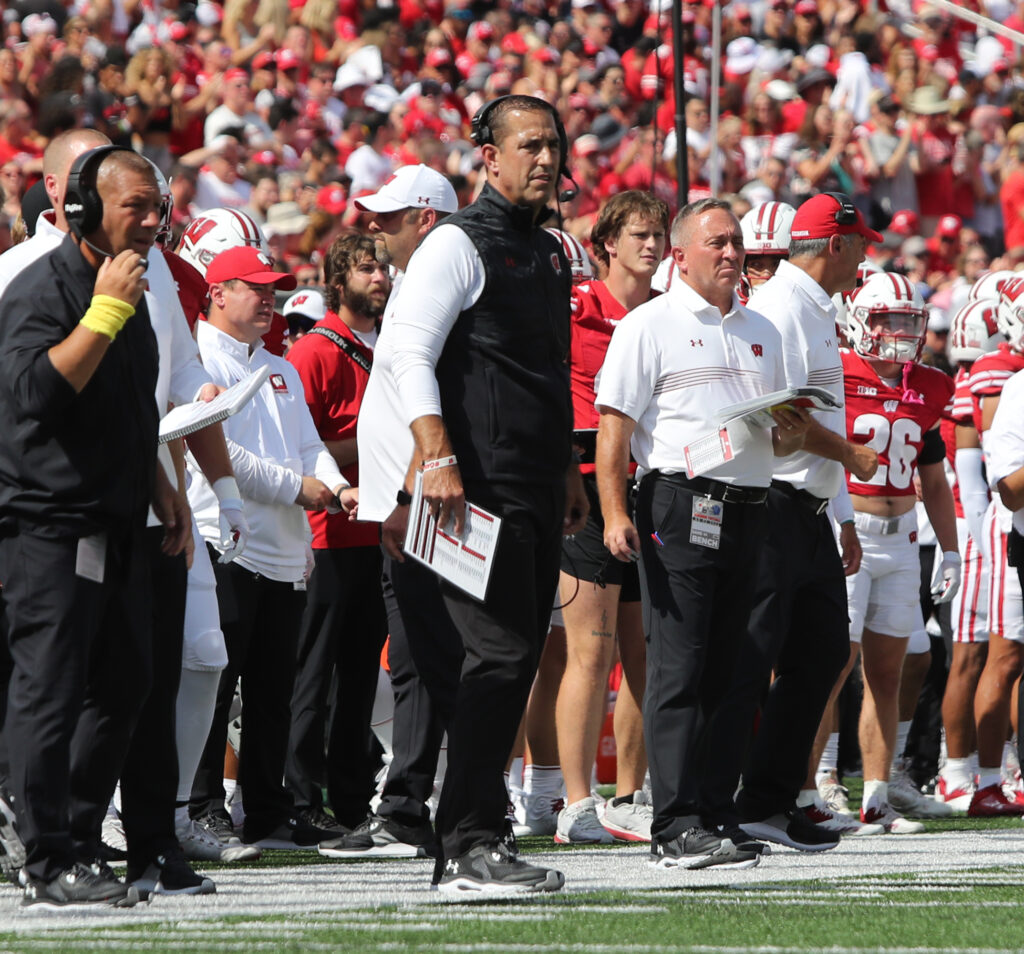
x: 83, y: 207
x: 482, y: 135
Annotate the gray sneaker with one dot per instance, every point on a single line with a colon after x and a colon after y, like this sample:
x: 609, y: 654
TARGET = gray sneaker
x: 80, y: 885
x: 491, y: 870
x: 213, y: 828
x: 699, y: 848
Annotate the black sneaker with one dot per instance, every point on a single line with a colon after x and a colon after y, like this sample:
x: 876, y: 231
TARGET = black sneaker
x: 699, y: 848
x: 491, y: 870
x: 793, y: 829
x: 168, y: 873
x: 294, y: 832
x: 317, y: 820
x: 383, y: 837
x: 743, y: 841
x: 12, y: 851
x: 80, y: 885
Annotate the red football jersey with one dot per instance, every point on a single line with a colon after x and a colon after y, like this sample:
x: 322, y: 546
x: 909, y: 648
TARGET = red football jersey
x: 892, y: 421
x: 961, y: 414
x: 988, y: 375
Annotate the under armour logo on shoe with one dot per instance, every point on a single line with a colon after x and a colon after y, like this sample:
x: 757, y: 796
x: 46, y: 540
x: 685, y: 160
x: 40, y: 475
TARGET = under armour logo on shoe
x: 451, y: 866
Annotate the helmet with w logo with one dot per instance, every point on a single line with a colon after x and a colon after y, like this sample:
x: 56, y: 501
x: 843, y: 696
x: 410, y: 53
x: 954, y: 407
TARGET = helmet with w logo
x: 974, y: 331
x: 217, y: 230
x: 886, y: 318
x: 766, y: 229
x: 1010, y: 313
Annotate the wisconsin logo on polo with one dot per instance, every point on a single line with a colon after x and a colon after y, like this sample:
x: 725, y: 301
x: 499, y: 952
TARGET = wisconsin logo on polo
x: 555, y: 264
x: 758, y: 350
x: 278, y: 383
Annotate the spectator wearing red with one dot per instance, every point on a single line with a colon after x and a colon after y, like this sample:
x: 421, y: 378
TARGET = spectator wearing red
x: 935, y: 147
x: 1011, y: 198
x: 943, y: 248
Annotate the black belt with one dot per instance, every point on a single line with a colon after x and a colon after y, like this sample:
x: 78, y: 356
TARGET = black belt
x: 816, y: 505
x: 727, y: 493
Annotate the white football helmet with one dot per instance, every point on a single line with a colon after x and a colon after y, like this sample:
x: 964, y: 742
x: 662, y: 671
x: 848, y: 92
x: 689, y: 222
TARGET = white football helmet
x: 217, y: 230
x: 1010, y: 312
x: 163, y: 233
x: 579, y: 261
x: 989, y: 285
x: 766, y: 229
x: 974, y: 331
x: 891, y: 296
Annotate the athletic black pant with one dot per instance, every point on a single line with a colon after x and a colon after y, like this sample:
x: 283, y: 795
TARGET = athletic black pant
x: 82, y: 667
x: 696, y: 604
x: 418, y: 621
x: 799, y: 627
x: 343, y: 629
x: 502, y: 638
x: 149, y: 778
x: 260, y: 621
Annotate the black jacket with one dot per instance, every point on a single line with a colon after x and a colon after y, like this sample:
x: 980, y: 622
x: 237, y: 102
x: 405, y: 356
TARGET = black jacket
x: 72, y: 464
x: 503, y: 373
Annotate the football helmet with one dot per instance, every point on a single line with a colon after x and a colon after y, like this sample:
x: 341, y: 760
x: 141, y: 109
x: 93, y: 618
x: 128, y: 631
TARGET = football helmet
x: 895, y: 300
x: 579, y: 261
x: 766, y: 229
x: 163, y: 233
x: 989, y: 285
x: 1010, y: 312
x: 215, y: 231
x: 974, y: 331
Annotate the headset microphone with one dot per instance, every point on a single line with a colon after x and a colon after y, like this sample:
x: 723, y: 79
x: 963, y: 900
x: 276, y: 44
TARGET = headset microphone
x: 567, y: 195
x: 144, y: 262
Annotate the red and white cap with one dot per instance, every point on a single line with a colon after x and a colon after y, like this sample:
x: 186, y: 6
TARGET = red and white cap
x: 949, y: 226
x: 905, y: 222
x: 249, y: 265
x: 828, y: 214
x: 412, y: 187
x: 307, y: 302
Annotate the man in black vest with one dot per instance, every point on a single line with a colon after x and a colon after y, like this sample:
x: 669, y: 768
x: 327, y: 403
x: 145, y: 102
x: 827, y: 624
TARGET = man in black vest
x: 482, y: 336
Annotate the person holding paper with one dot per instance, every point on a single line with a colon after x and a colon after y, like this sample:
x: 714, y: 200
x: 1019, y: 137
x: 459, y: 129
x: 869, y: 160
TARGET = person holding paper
x: 481, y: 331
x: 670, y: 365
x: 281, y: 466
x: 799, y: 624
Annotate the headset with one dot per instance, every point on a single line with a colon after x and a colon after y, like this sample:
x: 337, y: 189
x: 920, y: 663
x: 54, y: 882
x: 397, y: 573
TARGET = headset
x: 482, y: 135
x: 83, y: 207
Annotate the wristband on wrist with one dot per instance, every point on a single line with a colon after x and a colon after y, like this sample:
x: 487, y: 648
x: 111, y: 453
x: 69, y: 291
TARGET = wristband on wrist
x: 951, y: 556
x: 403, y: 498
x: 846, y: 523
x: 225, y: 489
x: 107, y: 315
x: 439, y: 463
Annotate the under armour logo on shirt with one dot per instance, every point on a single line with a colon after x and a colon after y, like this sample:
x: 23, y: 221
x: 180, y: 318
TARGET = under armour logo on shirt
x: 699, y: 343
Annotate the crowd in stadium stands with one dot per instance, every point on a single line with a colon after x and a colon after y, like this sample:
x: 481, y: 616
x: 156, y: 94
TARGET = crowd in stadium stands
x: 300, y: 129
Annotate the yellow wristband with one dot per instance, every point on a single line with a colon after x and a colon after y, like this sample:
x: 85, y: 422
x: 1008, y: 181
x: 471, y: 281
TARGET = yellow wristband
x: 107, y: 315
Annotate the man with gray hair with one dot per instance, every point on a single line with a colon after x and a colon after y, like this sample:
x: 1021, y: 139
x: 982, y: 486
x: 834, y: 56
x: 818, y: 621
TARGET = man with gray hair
x: 670, y: 367
x: 799, y: 625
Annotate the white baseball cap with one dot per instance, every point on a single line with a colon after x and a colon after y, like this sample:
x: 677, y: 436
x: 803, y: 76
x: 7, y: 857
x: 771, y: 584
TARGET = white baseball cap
x: 411, y: 187
x: 307, y: 302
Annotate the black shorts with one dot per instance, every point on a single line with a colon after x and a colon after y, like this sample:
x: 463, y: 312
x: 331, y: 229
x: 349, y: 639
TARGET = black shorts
x: 587, y: 558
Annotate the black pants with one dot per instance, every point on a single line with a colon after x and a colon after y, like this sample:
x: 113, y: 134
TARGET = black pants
x: 149, y: 778
x: 82, y: 668
x: 343, y: 630
x: 799, y: 627
x: 696, y: 604
x: 423, y: 639
x: 502, y: 638
x: 260, y: 621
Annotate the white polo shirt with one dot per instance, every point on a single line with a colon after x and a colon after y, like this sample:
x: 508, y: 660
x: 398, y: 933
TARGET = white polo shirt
x: 273, y: 443
x: 674, y: 362
x: 1004, y: 440
x: 806, y: 318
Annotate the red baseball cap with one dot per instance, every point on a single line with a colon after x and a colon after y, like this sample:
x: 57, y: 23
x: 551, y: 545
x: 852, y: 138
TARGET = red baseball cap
x: 515, y: 43
x: 263, y: 61
x: 438, y: 56
x: 287, y: 59
x: 332, y: 198
x: 807, y: 8
x: 250, y: 265
x: 905, y: 222
x: 236, y: 72
x: 828, y: 214
x: 949, y: 226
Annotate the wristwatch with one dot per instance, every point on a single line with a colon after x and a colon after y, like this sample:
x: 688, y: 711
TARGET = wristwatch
x: 402, y: 498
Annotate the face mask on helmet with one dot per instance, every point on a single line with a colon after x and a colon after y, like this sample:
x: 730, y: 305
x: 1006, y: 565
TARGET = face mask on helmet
x: 1010, y: 312
x: 579, y: 261
x: 886, y: 319
x: 765, y: 232
x: 163, y: 232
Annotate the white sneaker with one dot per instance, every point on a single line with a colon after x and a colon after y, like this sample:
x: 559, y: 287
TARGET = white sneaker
x: 845, y: 825
x: 890, y: 820
x: 629, y: 821
x: 578, y: 824
x: 907, y: 799
x: 957, y: 797
x: 539, y: 814
x: 834, y: 796
x: 112, y: 831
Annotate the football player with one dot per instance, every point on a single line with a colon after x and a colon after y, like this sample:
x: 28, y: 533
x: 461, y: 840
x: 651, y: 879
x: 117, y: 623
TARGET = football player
x: 765, y: 243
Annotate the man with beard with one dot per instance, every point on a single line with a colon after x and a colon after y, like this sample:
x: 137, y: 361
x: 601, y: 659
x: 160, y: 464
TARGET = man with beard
x: 344, y: 624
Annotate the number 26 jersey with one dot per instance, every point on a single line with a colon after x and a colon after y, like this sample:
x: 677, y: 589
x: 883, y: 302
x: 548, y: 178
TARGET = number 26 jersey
x: 892, y: 420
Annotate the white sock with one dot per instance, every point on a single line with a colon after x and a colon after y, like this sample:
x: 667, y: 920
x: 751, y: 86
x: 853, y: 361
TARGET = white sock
x: 989, y: 775
x: 543, y: 780
x: 974, y: 763
x: 181, y: 818
x: 197, y: 698
x: 876, y: 793
x: 514, y: 777
x: 829, y: 761
x: 1010, y: 763
x: 807, y: 797
x: 957, y: 773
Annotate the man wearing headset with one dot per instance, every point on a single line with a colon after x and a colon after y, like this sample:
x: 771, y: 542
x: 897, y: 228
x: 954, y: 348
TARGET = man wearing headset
x: 79, y: 369
x: 481, y: 328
